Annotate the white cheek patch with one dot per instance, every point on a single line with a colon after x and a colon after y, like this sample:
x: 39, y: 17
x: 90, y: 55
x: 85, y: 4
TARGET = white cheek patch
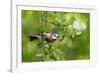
x: 54, y: 36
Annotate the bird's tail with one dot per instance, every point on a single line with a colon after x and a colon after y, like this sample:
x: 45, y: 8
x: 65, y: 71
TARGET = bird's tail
x: 34, y: 37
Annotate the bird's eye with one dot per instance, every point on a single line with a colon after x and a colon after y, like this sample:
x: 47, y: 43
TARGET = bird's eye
x: 56, y: 35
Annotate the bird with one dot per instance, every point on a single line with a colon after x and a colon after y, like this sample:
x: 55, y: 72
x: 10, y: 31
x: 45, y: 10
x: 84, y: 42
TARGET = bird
x: 45, y: 36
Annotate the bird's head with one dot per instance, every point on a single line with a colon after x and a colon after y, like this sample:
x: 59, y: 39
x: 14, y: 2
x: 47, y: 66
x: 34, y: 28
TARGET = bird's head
x: 54, y: 36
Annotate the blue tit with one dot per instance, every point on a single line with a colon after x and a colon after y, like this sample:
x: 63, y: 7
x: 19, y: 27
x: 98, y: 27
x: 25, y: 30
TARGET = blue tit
x: 48, y: 37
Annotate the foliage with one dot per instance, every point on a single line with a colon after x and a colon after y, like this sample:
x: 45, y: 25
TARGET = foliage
x: 72, y: 28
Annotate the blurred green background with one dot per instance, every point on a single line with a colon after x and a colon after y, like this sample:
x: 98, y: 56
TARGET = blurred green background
x: 73, y: 30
